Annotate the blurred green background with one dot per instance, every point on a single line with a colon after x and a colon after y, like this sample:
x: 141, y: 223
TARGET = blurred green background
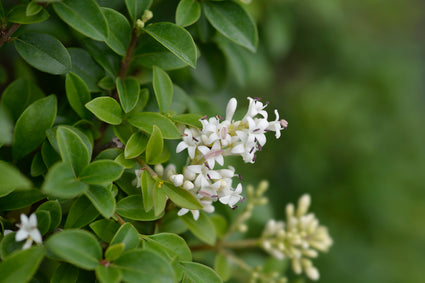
x: 349, y: 78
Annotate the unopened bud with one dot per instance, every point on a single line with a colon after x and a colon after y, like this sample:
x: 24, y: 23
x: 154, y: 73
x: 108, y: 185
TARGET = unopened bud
x: 147, y: 15
x: 140, y: 24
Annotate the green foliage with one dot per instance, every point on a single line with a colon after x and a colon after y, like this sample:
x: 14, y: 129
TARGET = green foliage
x: 106, y: 109
x: 188, y: 12
x: 11, y: 179
x: 22, y: 265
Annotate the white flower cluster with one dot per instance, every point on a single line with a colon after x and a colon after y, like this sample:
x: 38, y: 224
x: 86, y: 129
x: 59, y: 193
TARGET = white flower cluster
x: 300, y: 239
x: 28, y: 231
x: 218, y: 138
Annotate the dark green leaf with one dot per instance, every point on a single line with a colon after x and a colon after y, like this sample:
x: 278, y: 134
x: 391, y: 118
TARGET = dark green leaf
x: 106, y: 109
x: 65, y: 273
x: 102, y: 199
x: 128, y: 91
x: 72, y: 149
x: 20, y: 199
x: 202, y: 228
x: 33, y: 8
x: 49, y: 154
x: 83, y: 15
x: 163, y: 88
x: 131, y: 207
x: 82, y: 212
x: 61, y: 182
x: 108, y: 275
x: 12, y: 179
x: 106, y: 83
x: 231, y: 20
x: 136, y: 145
x: 105, y: 229
x: 101, y: 172
x: 211, y: 72
x: 137, y: 7
x: 21, y: 266
x: 126, y: 184
x: 148, y: 185
x: 18, y: 15
x: 30, y: 129
x: 181, y: 197
x: 37, y: 165
x: 155, y: 145
x: 78, y: 94
x: 44, y: 52
x: 55, y: 210
x: 109, y: 153
x: 77, y: 247
x: 103, y: 55
x: 8, y: 245
x: 176, y: 39
x: 6, y: 127
x: 127, y: 235
x: 188, y: 119
x: 180, y: 100
x: 188, y: 12
x: 43, y: 221
x: 119, y: 31
x: 86, y: 68
x: 200, y: 273
x: 146, y: 120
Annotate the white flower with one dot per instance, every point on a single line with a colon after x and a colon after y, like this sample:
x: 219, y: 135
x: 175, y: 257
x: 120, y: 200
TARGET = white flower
x: 213, y: 154
x: 177, y: 180
x: 183, y: 211
x: 277, y: 125
x: 190, y: 141
x: 231, y: 108
x: 255, y: 107
x: 205, y: 175
x: 231, y: 197
x: 28, y: 230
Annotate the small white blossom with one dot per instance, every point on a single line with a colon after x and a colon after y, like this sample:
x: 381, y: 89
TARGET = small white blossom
x: 190, y: 142
x: 28, y: 230
x: 232, y: 197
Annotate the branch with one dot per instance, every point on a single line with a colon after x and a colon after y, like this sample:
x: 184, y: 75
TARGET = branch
x: 125, y: 64
x: 6, y: 34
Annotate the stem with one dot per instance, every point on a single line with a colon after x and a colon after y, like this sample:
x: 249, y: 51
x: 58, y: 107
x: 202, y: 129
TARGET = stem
x: 147, y: 168
x: 120, y: 220
x: 125, y: 64
x: 6, y: 34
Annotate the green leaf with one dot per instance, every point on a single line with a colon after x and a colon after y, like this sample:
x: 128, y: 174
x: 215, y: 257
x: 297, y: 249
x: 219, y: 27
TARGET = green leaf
x: 176, y: 39
x: 8, y: 245
x: 106, y: 109
x: 126, y: 163
x: 86, y: 68
x: 105, y: 229
x: 20, y: 199
x: 18, y: 15
x: 55, y: 211
x: 173, y: 223
x: 143, y: 100
x: 222, y: 266
x: 202, y: 228
x: 43, y: 221
x: 21, y: 266
x: 188, y: 119
x: 159, y: 199
x: 131, y: 207
x: 163, y: 88
x: 114, y: 251
x: 128, y: 91
x: 188, y: 12
x: 83, y: 15
x: 136, y: 145
x: 84, y: 136
x: 106, y: 83
x: 82, y: 212
x: 77, y: 247
x: 102, y: 199
x: 231, y: 20
x: 172, y: 245
x: 127, y: 235
x: 148, y: 186
x: 119, y: 31
x: 37, y: 165
x: 161, y: 158
x: 220, y: 224
x: 33, y: 8
x: 200, y: 273
x: 78, y: 94
x: 155, y: 145
x: 44, y: 52
x: 181, y: 100
x: 72, y: 149
x: 126, y: 184
x: 141, y: 266
x: 61, y: 182
x: 137, y: 7
x: 103, y: 55
x: 32, y: 124
x: 12, y: 179
x: 181, y: 197
x: 108, y: 275
x: 109, y: 153
x: 65, y: 273
x: 101, y: 172
x: 146, y: 120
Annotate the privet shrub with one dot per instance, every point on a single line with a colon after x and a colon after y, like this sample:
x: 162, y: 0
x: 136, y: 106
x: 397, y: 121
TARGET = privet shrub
x: 84, y: 194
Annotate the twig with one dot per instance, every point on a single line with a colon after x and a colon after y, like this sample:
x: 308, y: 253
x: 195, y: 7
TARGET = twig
x: 120, y: 220
x: 7, y: 33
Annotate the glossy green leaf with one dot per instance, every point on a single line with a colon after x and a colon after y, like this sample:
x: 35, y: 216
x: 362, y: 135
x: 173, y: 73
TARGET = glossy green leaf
x: 72, y: 149
x: 128, y: 91
x: 119, y: 31
x: 32, y: 124
x: 106, y: 83
x: 44, y: 52
x: 108, y: 275
x: 114, y: 251
x: 77, y: 247
x: 148, y: 185
x: 82, y: 213
x: 146, y: 120
x: 109, y: 153
x: 181, y: 197
x: 37, y: 165
x: 141, y: 266
x: 131, y: 207
x: 101, y: 172
x: 78, y: 94
x: 231, y: 20
x: 43, y: 221
x: 161, y: 158
x: 65, y: 273
x: 176, y: 39
x: 159, y: 198
x: 103, y: 55
x: 125, y: 183
x: 155, y: 145
x: 105, y: 229
x: 127, y: 235
x: 200, y: 273
x: 21, y: 266
x: 18, y: 15
x: 188, y: 12
x: 86, y: 67
x: 83, y: 15
x: 33, y: 8
x: 6, y: 127
x: 126, y: 163
x: 102, y: 199
x: 188, y: 119
x: 163, y: 88
x: 137, y: 7
x: 20, y: 199
x: 18, y: 95
x: 12, y: 179
x: 172, y: 223
x: 172, y: 244
x: 202, y: 228
x: 86, y: 136
x: 143, y: 100
x: 8, y: 245
x: 106, y: 109
x: 136, y: 145
x: 222, y: 266
x: 55, y: 211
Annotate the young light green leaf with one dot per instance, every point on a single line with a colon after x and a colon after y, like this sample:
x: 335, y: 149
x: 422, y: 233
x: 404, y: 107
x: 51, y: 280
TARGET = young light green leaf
x: 12, y: 179
x: 30, y: 129
x: 102, y: 199
x: 172, y: 244
x: 137, y: 7
x: 83, y: 15
x: 77, y: 247
x: 146, y: 120
x: 65, y: 273
x: 78, y: 94
x: 101, y: 172
x: 106, y: 109
x: 55, y: 210
x: 163, y: 88
x: 136, y: 145
x: 231, y: 20
x: 176, y: 39
x: 44, y: 52
x: 131, y: 208
x: 148, y: 185
x: 159, y: 198
x: 126, y: 163
x: 188, y: 119
x: 106, y: 83
x: 18, y: 15
x: 86, y: 68
x: 128, y: 91
x: 181, y: 197
x: 119, y: 31
x: 127, y: 235
x: 72, y: 149
x: 200, y: 273
x: 143, y: 100
x: 161, y: 158
x: 222, y: 266
x: 61, y: 182
x: 108, y: 275
x: 155, y: 145
x: 202, y: 228
x: 33, y: 8
x: 188, y: 12
x: 105, y: 229
x: 114, y: 251
x: 22, y: 265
